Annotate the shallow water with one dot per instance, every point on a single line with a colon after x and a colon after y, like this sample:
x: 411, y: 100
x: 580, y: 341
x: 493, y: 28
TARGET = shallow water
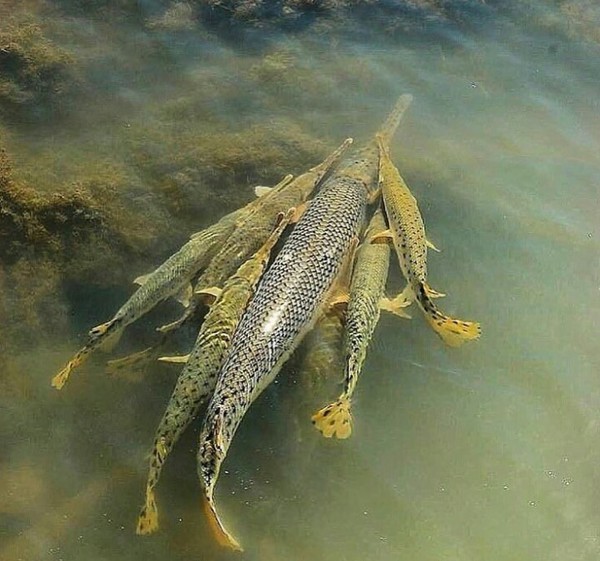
x: 485, y: 452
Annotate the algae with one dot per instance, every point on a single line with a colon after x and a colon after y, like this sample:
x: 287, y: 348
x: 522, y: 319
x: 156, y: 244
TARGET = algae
x: 34, y: 70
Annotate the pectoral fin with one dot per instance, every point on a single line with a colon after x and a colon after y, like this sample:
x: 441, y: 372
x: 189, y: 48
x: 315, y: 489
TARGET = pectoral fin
x: 261, y: 190
x: 175, y: 359
x: 339, y: 302
x: 141, y: 280
x: 395, y: 305
x: 433, y: 293
x: 431, y: 246
x: 208, y: 295
x: 382, y: 237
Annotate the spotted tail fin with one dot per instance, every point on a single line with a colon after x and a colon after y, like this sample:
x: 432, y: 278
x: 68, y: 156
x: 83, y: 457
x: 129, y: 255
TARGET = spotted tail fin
x: 222, y: 536
x: 148, y: 519
x: 60, y: 379
x: 334, y: 419
x: 454, y: 332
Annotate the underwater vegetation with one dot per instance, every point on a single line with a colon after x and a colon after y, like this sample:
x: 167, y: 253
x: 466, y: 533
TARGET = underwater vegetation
x: 34, y: 70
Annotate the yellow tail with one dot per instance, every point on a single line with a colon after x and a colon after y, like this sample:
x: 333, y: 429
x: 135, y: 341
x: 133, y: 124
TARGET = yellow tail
x: 454, y: 332
x: 60, y: 379
x: 222, y: 536
x: 148, y: 519
x: 334, y: 420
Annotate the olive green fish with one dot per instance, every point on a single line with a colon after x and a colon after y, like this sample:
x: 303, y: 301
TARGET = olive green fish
x: 197, y: 380
x: 255, y: 228
x: 407, y: 233
x: 171, y: 278
x: 365, y: 301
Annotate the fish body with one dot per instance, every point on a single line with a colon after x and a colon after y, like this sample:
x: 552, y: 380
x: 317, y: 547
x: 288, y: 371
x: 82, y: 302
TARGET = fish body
x: 322, y: 352
x: 167, y: 280
x: 408, y: 236
x: 284, y: 308
x: 198, y: 377
x: 254, y: 228
x: 364, y: 304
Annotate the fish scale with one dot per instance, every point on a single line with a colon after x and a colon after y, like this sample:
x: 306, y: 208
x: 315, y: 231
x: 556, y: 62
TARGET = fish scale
x: 364, y: 303
x: 407, y: 233
x: 283, y: 309
x: 286, y: 305
x: 254, y: 228
x: 198, y: 377
x: 169, y: 278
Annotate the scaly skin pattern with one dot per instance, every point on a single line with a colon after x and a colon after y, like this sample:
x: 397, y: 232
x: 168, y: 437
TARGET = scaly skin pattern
x: 408, y: 236
x: 366, y: 291
x: 363, y: 163
x: 285, y: 307
x: 167, y: 280
x: 322, y: 352
x: 254, y: 228
x: 197, y: 380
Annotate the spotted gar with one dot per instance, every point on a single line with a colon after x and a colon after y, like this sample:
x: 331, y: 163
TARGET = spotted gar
x: 198, y: 377
x: 365, y: 301
x: 407, y: 234
x: 253, y: 229
x: 168, y: 279
x: 285, y: 306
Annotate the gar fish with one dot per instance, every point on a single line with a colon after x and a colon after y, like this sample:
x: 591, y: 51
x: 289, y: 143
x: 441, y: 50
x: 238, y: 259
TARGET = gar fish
x: 407, y: 233
x: 365, y: 301
x: 255, y: 228
x: 171, y: 277
x: 285, y: 306
x: 198, y: 377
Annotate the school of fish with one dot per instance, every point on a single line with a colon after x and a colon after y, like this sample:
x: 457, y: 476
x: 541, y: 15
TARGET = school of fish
x: 284, y: 266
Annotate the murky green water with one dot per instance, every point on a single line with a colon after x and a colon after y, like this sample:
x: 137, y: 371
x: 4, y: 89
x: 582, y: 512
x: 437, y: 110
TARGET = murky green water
x: 487, y: 452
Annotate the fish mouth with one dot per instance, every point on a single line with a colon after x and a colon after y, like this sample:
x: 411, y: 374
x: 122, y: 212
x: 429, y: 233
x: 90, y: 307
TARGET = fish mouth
x: 223, y: 537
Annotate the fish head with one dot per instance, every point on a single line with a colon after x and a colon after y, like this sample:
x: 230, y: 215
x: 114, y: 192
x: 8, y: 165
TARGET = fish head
x: 212, y: 452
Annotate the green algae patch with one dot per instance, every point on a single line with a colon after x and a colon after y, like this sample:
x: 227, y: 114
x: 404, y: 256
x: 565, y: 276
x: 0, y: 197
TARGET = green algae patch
x: 33, y: 69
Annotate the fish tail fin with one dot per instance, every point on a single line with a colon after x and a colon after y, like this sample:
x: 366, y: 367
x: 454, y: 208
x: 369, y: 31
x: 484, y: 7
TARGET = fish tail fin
x: 222, y: 536
x: 388, y: 128
x: 148, y: 519
x: 60, y: 379
x: 454, y: 332
x: 334, y: 419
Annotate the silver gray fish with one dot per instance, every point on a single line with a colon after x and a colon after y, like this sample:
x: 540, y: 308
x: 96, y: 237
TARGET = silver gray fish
x: 285, y: 306
x: 254, y: 228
